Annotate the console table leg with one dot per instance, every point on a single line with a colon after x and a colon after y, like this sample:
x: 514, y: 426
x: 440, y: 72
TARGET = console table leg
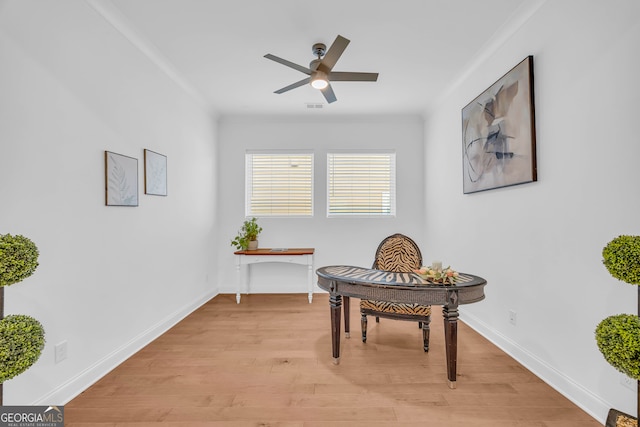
x: 238, y: 274
x: 335, y: 301
x: 450, y: 315
x: 310, y: 282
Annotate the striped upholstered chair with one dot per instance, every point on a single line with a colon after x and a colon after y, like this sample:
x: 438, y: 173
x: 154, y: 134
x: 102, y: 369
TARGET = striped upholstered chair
x: 400, y: 254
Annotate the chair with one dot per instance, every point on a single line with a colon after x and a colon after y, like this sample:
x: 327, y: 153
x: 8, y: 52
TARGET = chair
x: 400, y: 254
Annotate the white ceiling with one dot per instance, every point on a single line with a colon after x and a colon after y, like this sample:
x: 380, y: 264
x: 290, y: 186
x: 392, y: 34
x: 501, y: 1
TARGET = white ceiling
x: 215, y: 49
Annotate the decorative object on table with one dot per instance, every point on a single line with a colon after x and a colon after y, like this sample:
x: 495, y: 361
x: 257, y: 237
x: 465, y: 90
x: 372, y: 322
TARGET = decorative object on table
x: 397, y: 253
x: 247, y: 238
x: 437, y: 274
x: 498, y: 133
x: 618, y: 336
x: 21, y: 336
x: 155, y: 173
x: 121, y: 180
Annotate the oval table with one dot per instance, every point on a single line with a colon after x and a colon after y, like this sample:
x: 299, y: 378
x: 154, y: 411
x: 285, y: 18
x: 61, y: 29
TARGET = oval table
x: 343, y: 281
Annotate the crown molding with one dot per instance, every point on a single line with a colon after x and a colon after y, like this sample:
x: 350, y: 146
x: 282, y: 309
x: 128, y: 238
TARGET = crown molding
x: 117, y: 20
x: 505, y: 32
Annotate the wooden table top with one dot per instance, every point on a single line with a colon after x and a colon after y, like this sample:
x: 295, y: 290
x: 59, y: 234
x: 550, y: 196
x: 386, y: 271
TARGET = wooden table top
x: 277, y: 251
x: 367, y: 283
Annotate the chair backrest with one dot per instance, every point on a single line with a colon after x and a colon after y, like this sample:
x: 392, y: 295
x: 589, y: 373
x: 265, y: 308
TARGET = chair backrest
x: 398, y: 253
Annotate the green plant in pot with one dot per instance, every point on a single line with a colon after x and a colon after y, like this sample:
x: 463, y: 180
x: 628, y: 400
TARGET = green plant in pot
x: 247, y: 237
x: 21, y: 336
x: 618, y: 336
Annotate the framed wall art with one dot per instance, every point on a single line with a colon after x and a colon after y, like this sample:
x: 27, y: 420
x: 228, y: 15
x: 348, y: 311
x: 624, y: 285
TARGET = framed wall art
x: 121, y: 180
x: 498, y: 133
x: 155, y: 173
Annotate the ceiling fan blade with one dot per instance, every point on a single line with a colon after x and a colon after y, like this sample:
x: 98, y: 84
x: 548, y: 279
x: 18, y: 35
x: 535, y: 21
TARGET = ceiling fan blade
x: 294, y: 85
x: 335, y: 51
x: 342, y: 76
x: 288, y: 64
x: 328, y: 94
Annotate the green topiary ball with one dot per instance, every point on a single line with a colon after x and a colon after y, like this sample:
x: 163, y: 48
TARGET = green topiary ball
x: 18, y: 259
x: 621, y: 256
x: 21, y: 343
x: 618, y: 339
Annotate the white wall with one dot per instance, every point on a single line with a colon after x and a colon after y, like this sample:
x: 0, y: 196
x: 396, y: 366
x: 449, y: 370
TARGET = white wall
x: 337, y: 240
x: 539, y: 245
x: 110, y: 278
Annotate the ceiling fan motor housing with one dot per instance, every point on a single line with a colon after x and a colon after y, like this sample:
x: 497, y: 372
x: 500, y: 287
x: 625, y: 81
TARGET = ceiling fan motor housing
x: 319, y: 49
x: 313, y: 65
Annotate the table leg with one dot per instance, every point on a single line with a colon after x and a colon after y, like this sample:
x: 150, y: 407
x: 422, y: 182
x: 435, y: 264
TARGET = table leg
x: 450, y: 314
x: 346, y: 302
x: 310, y: 282
x: 238, y: 274
x: 335, y: 301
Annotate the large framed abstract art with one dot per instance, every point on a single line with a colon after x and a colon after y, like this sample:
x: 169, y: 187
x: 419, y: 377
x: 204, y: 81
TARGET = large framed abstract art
x: 498, y: 133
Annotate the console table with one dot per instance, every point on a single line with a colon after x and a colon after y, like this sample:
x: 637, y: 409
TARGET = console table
x: 345, y: 281
x: 302, y: 256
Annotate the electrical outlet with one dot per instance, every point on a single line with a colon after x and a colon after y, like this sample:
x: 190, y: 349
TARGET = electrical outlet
x: 61, y: 351
x: 629, y: 383
x: 513, y: 317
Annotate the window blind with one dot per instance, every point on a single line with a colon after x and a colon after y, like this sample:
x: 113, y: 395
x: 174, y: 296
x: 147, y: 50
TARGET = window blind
x: 361, y: 184
x: 279, y: 184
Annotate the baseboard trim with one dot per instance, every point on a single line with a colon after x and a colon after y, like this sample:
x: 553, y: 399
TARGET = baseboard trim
x: 583, y: 398
x: 76, y: 385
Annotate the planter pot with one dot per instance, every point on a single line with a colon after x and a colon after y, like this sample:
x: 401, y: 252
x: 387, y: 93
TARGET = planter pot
x: 253, y: 245
x: 616, y: 418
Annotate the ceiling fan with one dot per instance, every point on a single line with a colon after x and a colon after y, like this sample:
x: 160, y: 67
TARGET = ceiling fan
x: 321, y: 72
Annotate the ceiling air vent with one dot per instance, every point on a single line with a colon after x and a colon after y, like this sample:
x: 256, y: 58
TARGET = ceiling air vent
x: 312, y: 105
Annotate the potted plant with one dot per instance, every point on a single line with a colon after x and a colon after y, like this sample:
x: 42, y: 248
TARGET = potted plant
x: 21, y: 336
x: 618, y: 336
x: 247, y: 238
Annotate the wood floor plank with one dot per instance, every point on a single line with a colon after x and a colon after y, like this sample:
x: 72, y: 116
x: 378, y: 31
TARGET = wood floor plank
x: 267, y: 362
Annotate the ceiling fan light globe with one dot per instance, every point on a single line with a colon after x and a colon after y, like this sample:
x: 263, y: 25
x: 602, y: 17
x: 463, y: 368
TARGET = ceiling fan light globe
x: 319, y: 83
x: 319, y: 80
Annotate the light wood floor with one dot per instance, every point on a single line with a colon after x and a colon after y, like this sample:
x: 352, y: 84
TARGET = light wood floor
x: 267, y: 362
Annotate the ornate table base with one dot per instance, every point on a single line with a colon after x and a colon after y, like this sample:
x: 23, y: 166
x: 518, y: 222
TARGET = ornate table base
x: 343, y: 282
x: 449, y: 314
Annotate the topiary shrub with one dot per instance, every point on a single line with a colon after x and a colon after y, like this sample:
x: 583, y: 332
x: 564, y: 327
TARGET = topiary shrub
x: 21, y: 336
x: 21, y: 343
x: 621, y: 257
x: 618, y: 337
x: 18, y: 259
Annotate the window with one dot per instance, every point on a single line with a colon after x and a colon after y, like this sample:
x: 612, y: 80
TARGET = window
x: 279, y: 184
x: 361, y: 184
